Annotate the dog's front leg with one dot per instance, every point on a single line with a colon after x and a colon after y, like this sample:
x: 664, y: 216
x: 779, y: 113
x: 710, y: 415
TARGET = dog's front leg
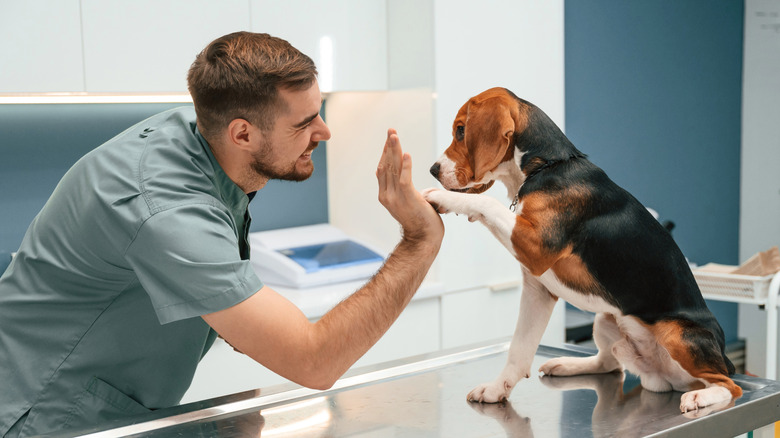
x: 536, y: 306
x: 489, y: 211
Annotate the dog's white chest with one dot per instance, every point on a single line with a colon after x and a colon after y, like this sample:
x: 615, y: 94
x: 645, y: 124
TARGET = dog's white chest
x: 587, y: 302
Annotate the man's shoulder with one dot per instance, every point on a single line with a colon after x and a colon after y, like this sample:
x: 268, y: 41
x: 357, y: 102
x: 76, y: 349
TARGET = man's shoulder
x: 175, y: 167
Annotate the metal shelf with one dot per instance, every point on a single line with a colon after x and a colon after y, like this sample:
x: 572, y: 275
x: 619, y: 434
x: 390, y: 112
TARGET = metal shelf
x: 763, y: 291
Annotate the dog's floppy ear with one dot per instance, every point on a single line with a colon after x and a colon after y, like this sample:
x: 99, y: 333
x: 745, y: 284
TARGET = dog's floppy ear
x: 489, y: 132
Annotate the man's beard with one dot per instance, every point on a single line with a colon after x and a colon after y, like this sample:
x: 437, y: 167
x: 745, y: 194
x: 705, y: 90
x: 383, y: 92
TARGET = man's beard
x: 289, y: 173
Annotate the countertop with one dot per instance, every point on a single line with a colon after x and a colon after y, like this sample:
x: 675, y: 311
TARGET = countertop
x: 425, y: 396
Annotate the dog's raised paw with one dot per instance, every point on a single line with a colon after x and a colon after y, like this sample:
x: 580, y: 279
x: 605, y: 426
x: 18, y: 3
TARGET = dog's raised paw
x: 435, y: 197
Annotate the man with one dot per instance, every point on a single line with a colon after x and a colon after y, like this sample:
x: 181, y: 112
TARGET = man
x: 139, y: 258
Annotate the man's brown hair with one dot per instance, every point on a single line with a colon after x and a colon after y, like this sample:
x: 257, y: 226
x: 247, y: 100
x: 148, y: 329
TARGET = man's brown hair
x: 239, y: 75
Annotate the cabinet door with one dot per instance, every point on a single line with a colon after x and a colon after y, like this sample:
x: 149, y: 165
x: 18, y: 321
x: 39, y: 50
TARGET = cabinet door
x: 40, y: 46
x: 478, y: 315
x: 415, y: 332
x: 483, y: 314
x: 347, y: 39
x: 471, y: 257
x: 149, y: 45
x: 223, y: 371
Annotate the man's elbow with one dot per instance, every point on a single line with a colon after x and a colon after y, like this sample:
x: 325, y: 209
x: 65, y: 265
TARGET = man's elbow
x: 319, y: 380
x: 323, y: 385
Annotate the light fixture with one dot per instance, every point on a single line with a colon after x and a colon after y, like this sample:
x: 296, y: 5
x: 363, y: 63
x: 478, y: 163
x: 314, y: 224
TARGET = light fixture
x: 326, y: 64
x: 83, y: 97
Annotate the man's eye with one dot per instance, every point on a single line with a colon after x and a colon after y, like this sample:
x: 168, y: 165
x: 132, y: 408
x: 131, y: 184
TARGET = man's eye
x: 459, y: 133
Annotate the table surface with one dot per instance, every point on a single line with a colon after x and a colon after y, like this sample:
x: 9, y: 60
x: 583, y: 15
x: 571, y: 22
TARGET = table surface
x: 425, y: 396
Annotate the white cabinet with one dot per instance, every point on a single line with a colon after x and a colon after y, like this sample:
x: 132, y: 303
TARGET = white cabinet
x: 224, y: 371
x: 148, y: 45
x: 416, y: 331
x: 483, y: 314
x: 477, y: 315
x: 40, y: 46
x: 426, y: 325
x: 347, y: 39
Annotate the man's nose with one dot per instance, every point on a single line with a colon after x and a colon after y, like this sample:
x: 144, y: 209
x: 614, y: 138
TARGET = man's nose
x: 435, y: 170
x: 323, y: 134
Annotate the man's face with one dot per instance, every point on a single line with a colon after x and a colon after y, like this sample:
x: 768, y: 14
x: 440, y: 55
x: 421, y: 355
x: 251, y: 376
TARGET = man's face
x: 285, y: 152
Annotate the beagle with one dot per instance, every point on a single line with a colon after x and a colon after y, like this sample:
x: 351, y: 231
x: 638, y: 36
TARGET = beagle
x: 580, y: 237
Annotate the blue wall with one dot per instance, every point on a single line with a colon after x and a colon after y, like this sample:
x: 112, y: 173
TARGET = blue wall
x: 653, y: 96
x: 39, y: 143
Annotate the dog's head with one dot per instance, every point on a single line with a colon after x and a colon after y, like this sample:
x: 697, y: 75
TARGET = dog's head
x: 483, y: 136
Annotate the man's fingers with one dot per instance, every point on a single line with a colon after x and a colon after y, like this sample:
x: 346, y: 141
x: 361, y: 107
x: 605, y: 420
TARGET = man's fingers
x: 393, y: 160
x: 385, y: 164
x: 406, y: 170
x: 390, y: 167
x: 394, y: 152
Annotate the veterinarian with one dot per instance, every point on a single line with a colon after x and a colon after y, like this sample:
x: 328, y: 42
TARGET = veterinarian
x: 140, y: 256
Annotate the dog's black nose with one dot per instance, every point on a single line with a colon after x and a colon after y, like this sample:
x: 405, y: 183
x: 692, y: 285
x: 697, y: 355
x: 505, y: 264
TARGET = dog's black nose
x: 435, y: 170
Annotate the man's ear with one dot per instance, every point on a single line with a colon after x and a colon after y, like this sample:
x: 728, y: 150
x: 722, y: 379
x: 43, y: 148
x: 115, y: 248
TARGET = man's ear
x: 241, y: 134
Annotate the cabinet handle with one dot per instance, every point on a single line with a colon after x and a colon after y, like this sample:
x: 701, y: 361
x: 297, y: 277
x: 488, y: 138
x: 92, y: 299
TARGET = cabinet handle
x: 498, y: 287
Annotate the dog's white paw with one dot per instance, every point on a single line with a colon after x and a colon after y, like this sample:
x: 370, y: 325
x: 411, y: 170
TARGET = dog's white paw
x: 711, y: 398
x: 570, y: 366
x: 451, y: 202
x: 493, y: 392
x: 437, y: 198
x: 584, y: 381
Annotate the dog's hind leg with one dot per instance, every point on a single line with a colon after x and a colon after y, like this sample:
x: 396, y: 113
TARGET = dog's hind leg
x: 697, y: 351
x: 536, y: 306
x: 605, y: 334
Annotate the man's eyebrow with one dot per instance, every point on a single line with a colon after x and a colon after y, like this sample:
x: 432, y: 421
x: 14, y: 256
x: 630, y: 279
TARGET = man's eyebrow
x: 307, y: 120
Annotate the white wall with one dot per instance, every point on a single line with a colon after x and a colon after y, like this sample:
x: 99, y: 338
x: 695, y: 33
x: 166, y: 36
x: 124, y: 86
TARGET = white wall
x: 760, y: 191
x: 358, y: 122
x: 479, y: 45
x: 760, y: 186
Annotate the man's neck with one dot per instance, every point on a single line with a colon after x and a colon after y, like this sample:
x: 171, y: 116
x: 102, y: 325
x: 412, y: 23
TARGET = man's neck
x: 238, y: 172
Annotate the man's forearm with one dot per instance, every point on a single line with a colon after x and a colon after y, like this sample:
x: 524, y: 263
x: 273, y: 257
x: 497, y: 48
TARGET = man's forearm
x: 274, y: 332
x: 357, y: 323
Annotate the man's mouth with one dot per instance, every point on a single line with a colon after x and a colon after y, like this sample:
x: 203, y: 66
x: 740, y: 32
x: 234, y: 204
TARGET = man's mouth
x: 307, y: 154
x: 309, y: 151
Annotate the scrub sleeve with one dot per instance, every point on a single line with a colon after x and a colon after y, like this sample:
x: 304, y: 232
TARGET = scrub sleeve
x: 185, y: 276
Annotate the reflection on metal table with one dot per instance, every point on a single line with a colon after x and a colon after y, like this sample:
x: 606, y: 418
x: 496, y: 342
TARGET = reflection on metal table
x: 425, y: 396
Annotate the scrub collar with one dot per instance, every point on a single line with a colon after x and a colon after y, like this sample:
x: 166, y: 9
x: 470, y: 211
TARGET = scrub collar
x: 231, y: 193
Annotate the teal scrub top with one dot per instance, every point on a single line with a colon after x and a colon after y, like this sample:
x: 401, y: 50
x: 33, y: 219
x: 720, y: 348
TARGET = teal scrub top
x: 100, y: 309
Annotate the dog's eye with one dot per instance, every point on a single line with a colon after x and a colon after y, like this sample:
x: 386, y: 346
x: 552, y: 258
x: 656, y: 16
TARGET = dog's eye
x: 459, y: 133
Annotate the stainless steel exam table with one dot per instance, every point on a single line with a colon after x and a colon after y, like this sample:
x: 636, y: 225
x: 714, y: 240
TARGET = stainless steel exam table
x: 425, y: 396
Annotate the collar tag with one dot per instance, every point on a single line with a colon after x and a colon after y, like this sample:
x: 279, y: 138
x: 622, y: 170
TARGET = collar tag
x: 513, y: 207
